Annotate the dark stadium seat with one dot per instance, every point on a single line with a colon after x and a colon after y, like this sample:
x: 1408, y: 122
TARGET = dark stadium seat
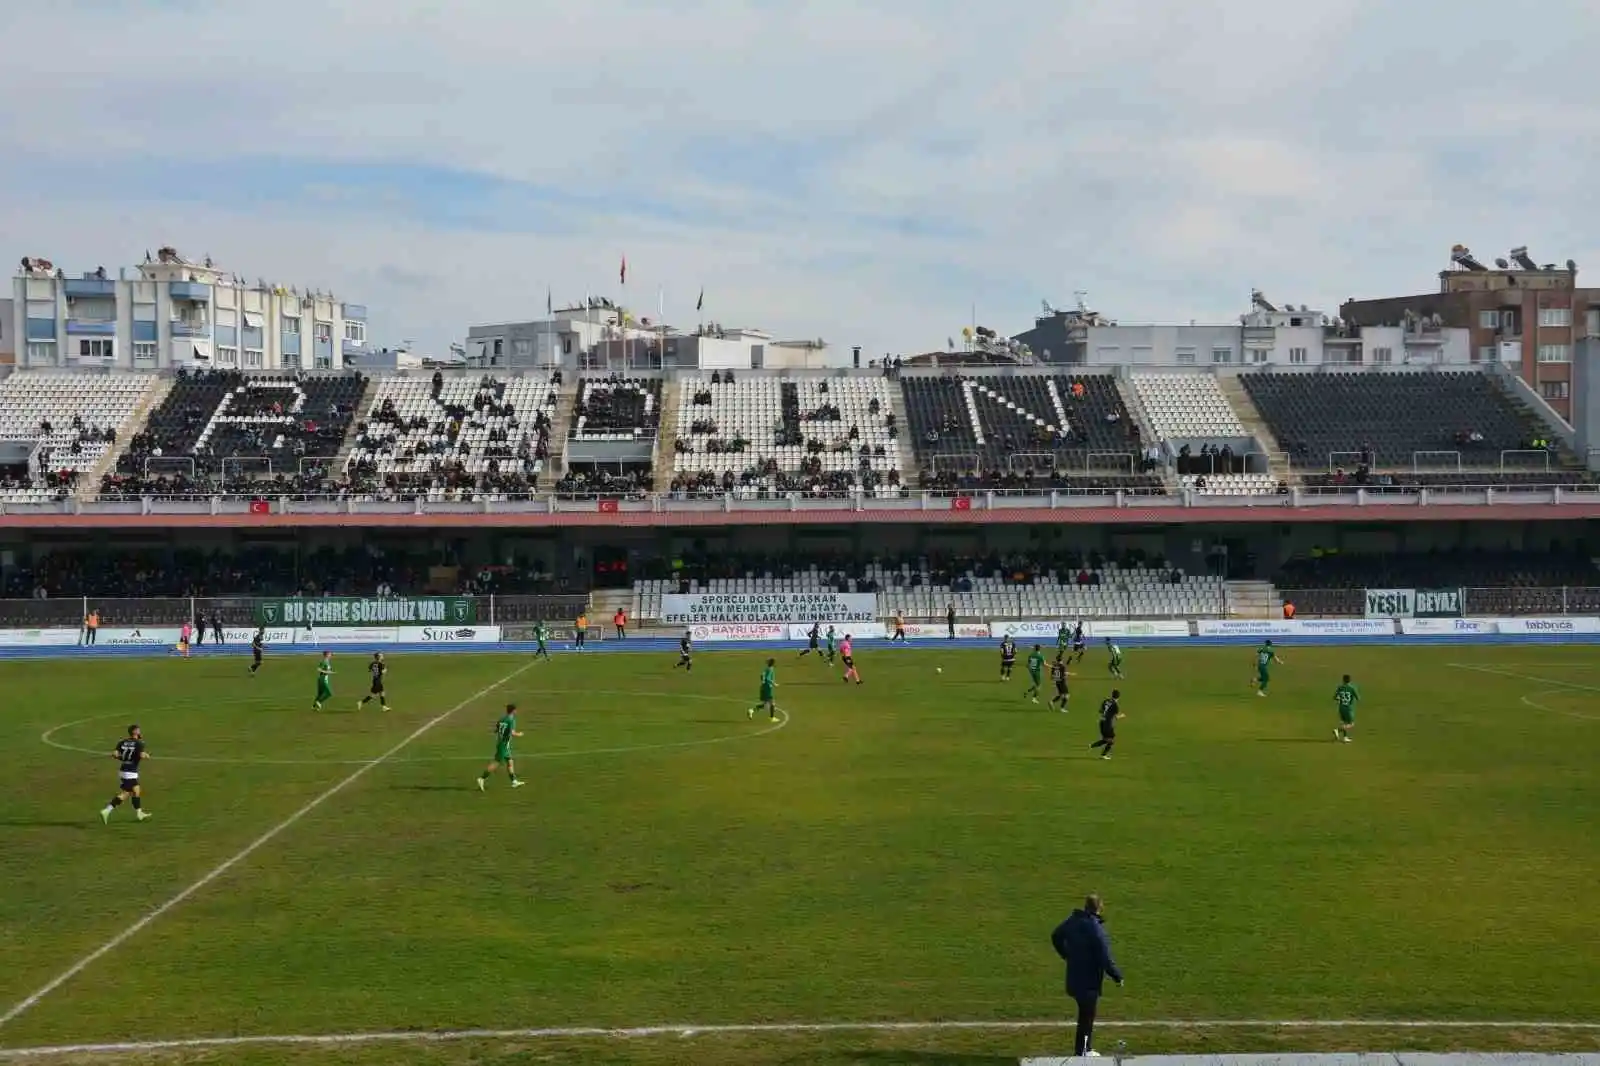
x: 1557, y: 581
x: 617, y: 408
x: 988, y: 428
x: 1325, y: 420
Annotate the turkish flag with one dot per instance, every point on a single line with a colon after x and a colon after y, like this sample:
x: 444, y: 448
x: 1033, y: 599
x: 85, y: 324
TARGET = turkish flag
x: 608, y: 506
x: 260, y: 507
x: 962, y: 503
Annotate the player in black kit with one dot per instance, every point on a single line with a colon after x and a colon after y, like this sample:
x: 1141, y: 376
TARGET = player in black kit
x: 257, y: 644
x: 1008, y: 657
x: 377, y: 668
x: 1058, y: 674
x: 813, y: 639
x: 129, y: 753
x: 1110, y: 711
x: 685, y: 652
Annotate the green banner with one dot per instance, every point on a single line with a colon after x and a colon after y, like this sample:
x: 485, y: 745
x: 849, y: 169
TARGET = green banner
x: 353, y: 611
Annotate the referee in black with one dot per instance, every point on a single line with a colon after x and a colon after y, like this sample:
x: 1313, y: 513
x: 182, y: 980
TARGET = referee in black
x: 1082, y: 943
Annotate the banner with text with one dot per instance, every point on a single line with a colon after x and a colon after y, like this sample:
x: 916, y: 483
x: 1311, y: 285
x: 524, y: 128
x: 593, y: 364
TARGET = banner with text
x: 1559, y: 626
x: 1413, y: 603
x: 1048, y: 631
x: 36, y: 638
x: 857, y: 630
x: 1449, y: 627
x: 712, y: 632
x: 1297, y: 627
x: 448, y: 635
x: 352, y: 611
x: 699, y: 608
x: 941, y: 630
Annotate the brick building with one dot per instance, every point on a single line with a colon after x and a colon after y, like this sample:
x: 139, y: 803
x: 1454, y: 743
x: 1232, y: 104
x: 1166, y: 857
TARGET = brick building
x: 1527, y: 315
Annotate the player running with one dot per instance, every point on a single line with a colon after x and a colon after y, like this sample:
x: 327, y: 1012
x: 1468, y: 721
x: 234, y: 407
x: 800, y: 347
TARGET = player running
x: 1058, y: 674
x: 685, y: 652
x: 767, y: 697
x: 541, y: 637
x: 833, y: 641
x: 129, y: 753
x: 813, y: 638
x: 899, y: 627
x: 1063, y: 639
x: 1035, y: 674
x: 258, y: 644
x: 1345, y: 697
x: 378, y: 669
x: 1080, y: 643
x: 1115, y: 663
x: 1110, y: 711
x: 1266, y: 655
x: 1008, y: 657
x: 505, y: 731
x: 324, y: 681
x: 847, y: 656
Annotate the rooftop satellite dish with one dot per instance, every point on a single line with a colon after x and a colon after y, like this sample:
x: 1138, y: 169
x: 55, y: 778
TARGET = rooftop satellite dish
x: 1502, y: 264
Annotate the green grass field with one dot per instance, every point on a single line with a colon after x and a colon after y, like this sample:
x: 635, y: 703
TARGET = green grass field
x: 894, y: 852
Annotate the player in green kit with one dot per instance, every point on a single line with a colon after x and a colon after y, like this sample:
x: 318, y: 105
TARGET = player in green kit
x: 505, y: 730
x: 1063, y: 639
x: 1035, y: 673
x: 1345, y: 697
x: 832, y: 642
x: 1266, y: 655
x: 542, y: 635
x: 1115, y: 652
x: 769, y: 683
x: 324, y: 681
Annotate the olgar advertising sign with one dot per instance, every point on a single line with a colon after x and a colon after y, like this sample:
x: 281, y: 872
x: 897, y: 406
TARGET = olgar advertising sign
x: 1413, y: 603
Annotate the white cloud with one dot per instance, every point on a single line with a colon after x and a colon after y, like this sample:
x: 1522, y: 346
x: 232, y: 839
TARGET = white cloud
x: 859, y: 171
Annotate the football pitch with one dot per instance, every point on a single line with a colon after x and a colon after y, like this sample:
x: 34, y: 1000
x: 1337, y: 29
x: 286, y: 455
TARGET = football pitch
x: 896, y: 852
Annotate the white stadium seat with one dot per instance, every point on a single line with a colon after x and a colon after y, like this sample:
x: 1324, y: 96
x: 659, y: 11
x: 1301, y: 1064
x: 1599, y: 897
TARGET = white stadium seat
x: 99, y: 401
x: 1187, y: 406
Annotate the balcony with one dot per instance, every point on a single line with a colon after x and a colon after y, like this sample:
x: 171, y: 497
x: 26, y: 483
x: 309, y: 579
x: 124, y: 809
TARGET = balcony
x: 183, y: 327
x: 1424, y: 335
x: 92, y: 327
x: 350, y: 347
x: 189, y: 290
x: 90, y: 286
x: 41, y: 329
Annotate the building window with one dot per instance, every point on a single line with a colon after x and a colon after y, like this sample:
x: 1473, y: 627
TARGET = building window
x: 291, y: 360
x: 96, y: 348
x: 355, y: 332
x: 227, y: 357
x: 566, y: 345
x: 499, y: 347
x: 1508, y: 323
x: 1487, y: 353
x: 145, y: 351
x: 1594, y: 322
x: 1222, y: 355
x: 324, y: 362
x: 1555, y: 353
x: 1555, y: 390
x: 1186, y: 359
x: 1297, y: 355
x: 1555, y: 317
x: 41, y: 353
x: 522, y: 347
x: 1259, y: 355
x: 1488, y: 319
x: 324, y: 332
x: 1383, y: 355
x: 289, y: 326
x: 252, y: 358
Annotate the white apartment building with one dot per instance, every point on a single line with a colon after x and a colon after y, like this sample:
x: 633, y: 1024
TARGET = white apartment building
x: 169, y: 313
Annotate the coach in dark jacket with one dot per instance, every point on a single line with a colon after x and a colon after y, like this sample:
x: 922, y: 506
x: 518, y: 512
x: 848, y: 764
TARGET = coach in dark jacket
x: 1081, y: 940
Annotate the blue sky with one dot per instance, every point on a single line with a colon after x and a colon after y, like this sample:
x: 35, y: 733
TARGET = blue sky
x: 862, y: 171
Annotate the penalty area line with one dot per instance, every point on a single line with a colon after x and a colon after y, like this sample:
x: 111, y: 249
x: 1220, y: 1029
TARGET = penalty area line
x: 27, y: 1004
x: 757, y: 1029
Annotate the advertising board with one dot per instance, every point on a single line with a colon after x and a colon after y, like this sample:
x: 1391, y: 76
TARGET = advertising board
x: 350, y: 635
x: 330, y: 611
x: 1560, y: 625
x: 448, y: 635
x: 1443, y: 627
x: 141, y: 637
x: 689, y: 609
x: 712, y: 632
x: 38, y: 638
x: 941, y: 630
x: 1413, y: 603
x: 1296, y: 627
x: 858, y: 630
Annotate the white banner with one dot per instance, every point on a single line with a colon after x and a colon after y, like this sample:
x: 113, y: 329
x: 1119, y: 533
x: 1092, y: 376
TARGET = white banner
x: 712, y: 632
x: 858, y: 630
x: 143, y: 637
x: 448, y: 635
x: 1296, y: 627
x: 941, y: 630
x: 1439, y: 627
x: 277, y: 635
x: 1165, y: 629
x: 781, y: 607
x: 1559, y: 626
x: 348, y: 635
x: 1030, y: 630
x: 37, y: 638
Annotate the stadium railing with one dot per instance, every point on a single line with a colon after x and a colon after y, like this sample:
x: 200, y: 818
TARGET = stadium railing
x: 69, y: 612
x: 1476, y: 601
x: 909, y: 501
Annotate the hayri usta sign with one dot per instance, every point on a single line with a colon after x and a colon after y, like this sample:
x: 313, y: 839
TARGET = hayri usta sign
x: 346, y: 611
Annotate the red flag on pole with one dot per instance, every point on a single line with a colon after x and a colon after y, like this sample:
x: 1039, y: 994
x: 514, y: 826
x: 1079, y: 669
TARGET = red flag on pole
x: 622, y: 275
x: 962, y: 503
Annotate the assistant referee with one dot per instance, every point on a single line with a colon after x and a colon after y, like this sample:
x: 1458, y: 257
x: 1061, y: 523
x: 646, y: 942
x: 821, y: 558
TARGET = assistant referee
x: 1082, y: 943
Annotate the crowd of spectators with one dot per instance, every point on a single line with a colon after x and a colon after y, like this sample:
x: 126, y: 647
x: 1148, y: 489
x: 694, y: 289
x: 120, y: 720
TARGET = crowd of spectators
x: 627, y: 480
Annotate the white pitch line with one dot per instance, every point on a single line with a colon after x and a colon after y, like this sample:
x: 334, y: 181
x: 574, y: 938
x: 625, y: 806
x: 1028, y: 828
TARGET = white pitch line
x: 249, y: 849
x: 773, y: 1028
x: 1557, y: 682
